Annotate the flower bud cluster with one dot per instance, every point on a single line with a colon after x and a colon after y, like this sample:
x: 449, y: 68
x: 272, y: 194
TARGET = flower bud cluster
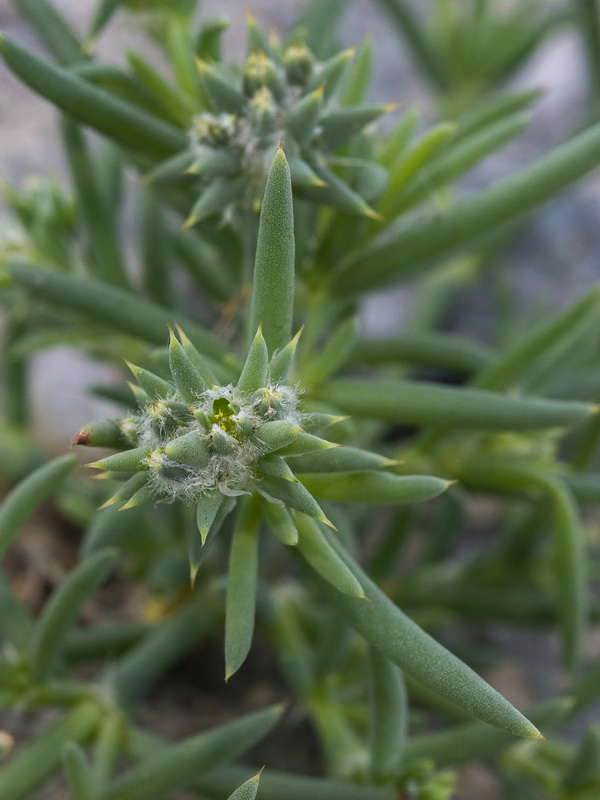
x: 280, y: 92
x: 213, y: 443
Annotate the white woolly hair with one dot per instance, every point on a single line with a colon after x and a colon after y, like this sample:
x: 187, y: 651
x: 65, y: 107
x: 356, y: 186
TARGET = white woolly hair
x: 231, y: 472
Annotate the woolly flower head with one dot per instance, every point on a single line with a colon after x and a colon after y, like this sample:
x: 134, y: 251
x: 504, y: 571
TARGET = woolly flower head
x: 193, y: 439
x: 212, y: 443
x: 281, y: 91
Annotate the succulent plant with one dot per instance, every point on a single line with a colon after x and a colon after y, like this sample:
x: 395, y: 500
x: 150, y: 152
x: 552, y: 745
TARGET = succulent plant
x: 238, y: 430
x: 208, y: 444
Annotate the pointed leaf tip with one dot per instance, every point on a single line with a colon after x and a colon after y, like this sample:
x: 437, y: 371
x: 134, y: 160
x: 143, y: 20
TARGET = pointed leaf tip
x: 110, y: 502
x: 189, y: 223
x: 82, y: 437
x: 328, y: 522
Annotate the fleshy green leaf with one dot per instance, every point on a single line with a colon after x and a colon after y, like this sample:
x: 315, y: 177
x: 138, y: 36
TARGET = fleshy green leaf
x: 278, y: 434
x: 281, y: 523
x: 277, y: 785
x: 373, y: 487
x: 41, y: 759
x: 302, y: 117
x: 294, y: 495
x: 414, y: 403
x: 126, y: 124
x: 101, y: 433
x: 248, y: 789
x: 333, y: 356
x: 109, y: 306
x: 78, y: 772
x: 282, y: 361
x: 128, y: 461
x: 64, y: 606
x: 340, y: 459
x: 27, y: 496
x: 103, y: 240
x: 519, y: 358
x: 584, y: 768
x: 254, y: 373
x: 570, y: 573
x: 152, y: 384
x: 177, y: 764
x: 507, y: 200
x: 53, y: 30
x: 242, y: 580
x: 190, y: 384
x: 388, y: 717
x: 400, y: 640
x: 426, y: 348
x: 314, y: 545
x: 207, y: 510
x: 273, y: 293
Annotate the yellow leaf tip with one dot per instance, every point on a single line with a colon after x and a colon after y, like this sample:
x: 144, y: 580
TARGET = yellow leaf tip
x: 327, y: 522
x: 110, y: 502
x: 189, y: 223
x: 132, y: 503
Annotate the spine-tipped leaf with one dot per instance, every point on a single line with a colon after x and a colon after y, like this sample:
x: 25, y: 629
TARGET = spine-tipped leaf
x: 254, y: 373
x: 188, y: 380
x: 248, y: 789
x: 282, y: 361
x: 128, y: 461
x: 207, y: 510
